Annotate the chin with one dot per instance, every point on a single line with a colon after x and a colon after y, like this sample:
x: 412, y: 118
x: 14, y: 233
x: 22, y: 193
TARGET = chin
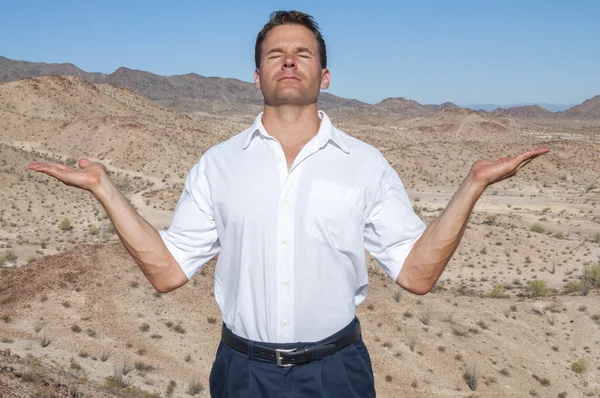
x: 291, y: 99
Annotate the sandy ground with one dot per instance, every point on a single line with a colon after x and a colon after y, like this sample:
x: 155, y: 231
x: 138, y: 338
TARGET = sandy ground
x: 78, y: 290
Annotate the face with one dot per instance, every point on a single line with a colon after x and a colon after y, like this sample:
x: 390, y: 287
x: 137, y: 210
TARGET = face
x: 290, y: 71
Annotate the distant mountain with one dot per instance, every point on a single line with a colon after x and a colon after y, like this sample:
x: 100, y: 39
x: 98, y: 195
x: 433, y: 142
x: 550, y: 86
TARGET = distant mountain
x: 527, y: 111
x: 11, y: 70
x: 403, y: 106
x: 589, y: 109
x: 227, y: 96
x: 491, y: 107
x: 184, y: 93
x: 441, y: 107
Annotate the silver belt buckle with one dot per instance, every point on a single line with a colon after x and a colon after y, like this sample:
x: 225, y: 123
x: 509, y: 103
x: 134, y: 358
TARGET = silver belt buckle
x: 278, y: 352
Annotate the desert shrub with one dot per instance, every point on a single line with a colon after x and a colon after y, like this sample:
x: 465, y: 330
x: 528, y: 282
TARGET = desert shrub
x: 482, y: 325
x: 143, y: 367
x: 45, y: 341
x: 105, y: 355
x: 39, y: 324
x: 7, y: 256
x: 425, y: 317
x: 194, y: 387
x: 75, y: 366
x: 573, y: 287
x: 537, y: 227
x: 490, y: 220
x: 171, y: 388
x: 497, y: 292
x: 92, y: 230
x: 538, y: 288
x: 418, y: 210
x: 579, y: 366
x: 592, y: 274
x: 471, y: 377
x: 65, y: 225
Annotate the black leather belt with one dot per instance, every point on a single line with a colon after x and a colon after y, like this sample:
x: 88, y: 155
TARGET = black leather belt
x: 291, y: 356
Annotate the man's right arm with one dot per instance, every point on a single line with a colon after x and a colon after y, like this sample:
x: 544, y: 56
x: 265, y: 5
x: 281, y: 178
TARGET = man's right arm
x: 139, y: 237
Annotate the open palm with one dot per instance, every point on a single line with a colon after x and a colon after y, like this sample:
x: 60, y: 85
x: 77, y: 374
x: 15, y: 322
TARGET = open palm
x: 488, y: 172
x: 87, y: 177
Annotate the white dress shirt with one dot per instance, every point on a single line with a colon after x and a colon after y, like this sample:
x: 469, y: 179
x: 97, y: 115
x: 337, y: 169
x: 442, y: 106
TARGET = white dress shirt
x: 291, y: 245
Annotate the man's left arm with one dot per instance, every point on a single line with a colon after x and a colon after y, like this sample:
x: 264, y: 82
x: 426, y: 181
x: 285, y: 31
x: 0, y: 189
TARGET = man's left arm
x: 432, y: 251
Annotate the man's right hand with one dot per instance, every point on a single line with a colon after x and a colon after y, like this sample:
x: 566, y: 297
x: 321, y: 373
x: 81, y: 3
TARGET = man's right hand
x: 140, y: 238
x: 89, y: 176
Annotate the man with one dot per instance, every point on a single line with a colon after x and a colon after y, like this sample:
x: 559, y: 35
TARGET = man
x: 290, y: 204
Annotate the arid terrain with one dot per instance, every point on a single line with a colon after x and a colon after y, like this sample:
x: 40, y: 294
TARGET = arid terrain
x: 516, y: 313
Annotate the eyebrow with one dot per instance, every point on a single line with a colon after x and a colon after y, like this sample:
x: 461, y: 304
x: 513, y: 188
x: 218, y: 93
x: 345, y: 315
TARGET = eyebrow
x: 298, y: 50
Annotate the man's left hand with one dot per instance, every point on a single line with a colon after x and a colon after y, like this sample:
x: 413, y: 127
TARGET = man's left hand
x: 488, y: 172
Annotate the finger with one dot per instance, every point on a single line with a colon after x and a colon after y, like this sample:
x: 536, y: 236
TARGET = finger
x: 37, y: 165
x: 83, y: 163
x: 55, y: 170
x: 533, y: 153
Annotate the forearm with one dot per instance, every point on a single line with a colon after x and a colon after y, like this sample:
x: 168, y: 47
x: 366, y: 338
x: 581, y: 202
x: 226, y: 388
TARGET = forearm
x: 431, y: 253
x: 140, y: 239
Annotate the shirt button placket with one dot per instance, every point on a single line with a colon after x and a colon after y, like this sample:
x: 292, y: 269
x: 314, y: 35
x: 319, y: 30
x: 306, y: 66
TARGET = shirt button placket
x: 285, y: 253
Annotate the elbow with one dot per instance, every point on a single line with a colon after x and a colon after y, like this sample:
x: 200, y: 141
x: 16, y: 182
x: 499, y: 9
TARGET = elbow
x: 162, y: 288
x: 170, y: 279
x: 415, y: 285
x: 164, y: 285
x: 419, y: 289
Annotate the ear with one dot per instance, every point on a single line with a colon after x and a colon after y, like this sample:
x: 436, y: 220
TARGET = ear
x: 257, y: 79
x: 325, y: 79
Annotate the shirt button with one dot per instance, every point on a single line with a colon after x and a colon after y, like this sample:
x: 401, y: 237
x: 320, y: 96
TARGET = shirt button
x: 286, y: 201
x: 285, y: 282
x: 284, y: 241
x: 284, y: 323
x: 279, y: 160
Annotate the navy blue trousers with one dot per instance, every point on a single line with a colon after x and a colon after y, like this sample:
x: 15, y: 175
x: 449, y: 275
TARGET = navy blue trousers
x: 347, y: 373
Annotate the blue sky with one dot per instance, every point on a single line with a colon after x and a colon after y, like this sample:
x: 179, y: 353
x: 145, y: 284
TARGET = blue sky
x: 501, y: 52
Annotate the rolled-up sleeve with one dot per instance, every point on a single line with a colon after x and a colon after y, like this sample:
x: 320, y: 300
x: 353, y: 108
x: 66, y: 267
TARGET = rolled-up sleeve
x: 391, y: 227
x: 192, y: 236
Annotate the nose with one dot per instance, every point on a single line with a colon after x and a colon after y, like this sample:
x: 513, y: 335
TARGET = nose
x: 289, y: 62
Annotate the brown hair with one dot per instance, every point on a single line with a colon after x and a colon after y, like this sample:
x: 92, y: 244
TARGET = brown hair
x: 279, y: 18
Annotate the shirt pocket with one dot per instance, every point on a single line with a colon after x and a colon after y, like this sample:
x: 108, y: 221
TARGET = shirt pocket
x: 334, y: 213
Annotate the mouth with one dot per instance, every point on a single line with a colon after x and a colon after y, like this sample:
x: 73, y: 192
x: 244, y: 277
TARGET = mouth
x: 289, y: 78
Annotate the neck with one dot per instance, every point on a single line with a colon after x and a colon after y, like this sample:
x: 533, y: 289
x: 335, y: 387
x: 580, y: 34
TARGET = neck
x: 291, y: 124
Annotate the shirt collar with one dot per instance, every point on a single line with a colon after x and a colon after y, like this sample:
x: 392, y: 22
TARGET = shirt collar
x: 326, y: 132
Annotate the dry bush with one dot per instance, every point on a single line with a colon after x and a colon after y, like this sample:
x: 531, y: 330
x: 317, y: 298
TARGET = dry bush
x: 538, y: 288
x: 471, y: 377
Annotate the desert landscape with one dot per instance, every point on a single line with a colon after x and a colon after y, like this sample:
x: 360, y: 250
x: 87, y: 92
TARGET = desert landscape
x: 516, y: 313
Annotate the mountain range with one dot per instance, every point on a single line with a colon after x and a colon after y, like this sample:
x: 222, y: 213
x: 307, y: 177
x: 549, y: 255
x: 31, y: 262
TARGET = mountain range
x: 192, y: 93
